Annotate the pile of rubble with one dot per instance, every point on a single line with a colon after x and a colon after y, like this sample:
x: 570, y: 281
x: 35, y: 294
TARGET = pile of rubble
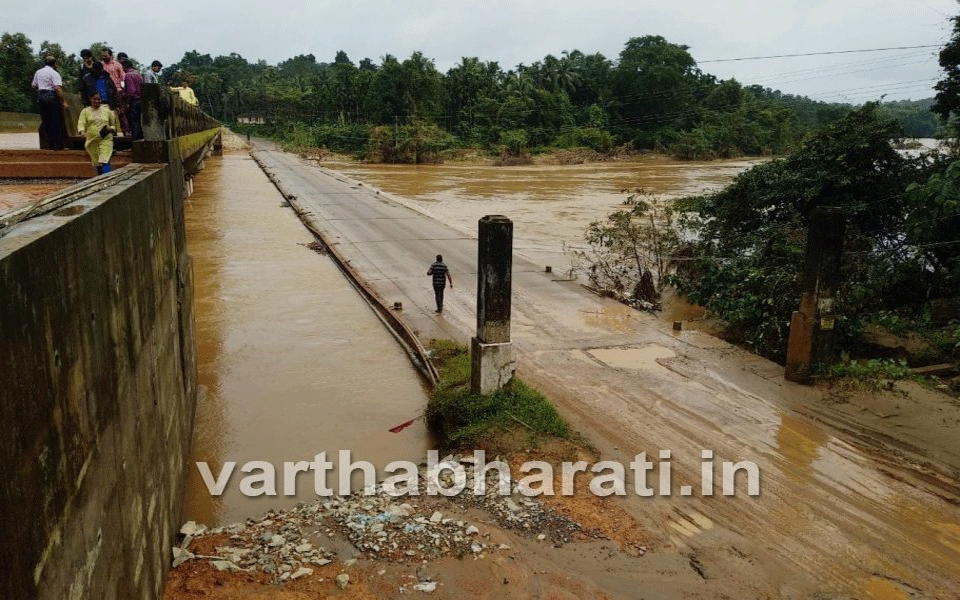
x: 380, y: 526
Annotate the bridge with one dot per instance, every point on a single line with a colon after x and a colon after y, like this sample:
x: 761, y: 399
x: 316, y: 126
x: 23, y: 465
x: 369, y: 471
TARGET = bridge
x: 166, y: 117
x: 97, y: 359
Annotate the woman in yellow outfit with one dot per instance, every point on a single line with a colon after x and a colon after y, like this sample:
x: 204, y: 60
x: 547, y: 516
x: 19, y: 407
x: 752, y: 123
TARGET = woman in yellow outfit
x: 99, y: 124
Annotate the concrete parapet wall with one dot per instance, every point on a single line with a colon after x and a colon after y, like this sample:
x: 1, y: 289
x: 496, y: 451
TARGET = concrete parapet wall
x: 97, y: 392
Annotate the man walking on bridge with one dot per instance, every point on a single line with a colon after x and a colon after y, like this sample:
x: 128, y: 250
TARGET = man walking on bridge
x: 441, y: 274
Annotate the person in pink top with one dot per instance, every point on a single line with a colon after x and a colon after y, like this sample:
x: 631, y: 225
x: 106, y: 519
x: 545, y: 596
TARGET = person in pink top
x: 112, y: 67
x: 115, y: 71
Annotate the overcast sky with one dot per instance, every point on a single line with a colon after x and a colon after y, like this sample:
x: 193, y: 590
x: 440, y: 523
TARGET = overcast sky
x: 524, y: 31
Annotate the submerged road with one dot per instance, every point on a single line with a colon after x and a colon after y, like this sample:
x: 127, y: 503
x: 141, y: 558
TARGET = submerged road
x: 854, y: 502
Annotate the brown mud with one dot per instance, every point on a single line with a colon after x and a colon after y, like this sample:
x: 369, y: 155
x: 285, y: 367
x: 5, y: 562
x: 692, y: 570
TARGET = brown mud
x: 16, y: 193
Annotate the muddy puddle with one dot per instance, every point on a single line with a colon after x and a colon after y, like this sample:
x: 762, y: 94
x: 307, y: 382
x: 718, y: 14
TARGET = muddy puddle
x: 550, y: 205
x: 293, y: 363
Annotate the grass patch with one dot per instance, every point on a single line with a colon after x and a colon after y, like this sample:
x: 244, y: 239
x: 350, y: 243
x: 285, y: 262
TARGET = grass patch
x: 512, y: 419
x: 875, y: 374
x: 874, y: 368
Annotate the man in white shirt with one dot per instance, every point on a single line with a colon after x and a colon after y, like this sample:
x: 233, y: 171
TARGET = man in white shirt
x: 153, y: 73
x: 49, y: 86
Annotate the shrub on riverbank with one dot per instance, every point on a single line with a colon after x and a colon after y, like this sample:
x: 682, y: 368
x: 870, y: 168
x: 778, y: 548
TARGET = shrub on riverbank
x: 413, y: 144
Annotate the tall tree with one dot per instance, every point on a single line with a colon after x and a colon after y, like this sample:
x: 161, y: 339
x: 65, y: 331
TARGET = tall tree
x: 17, y: 65
x: 421, y: 88
x: 948, y: 88
x: 654, y: 84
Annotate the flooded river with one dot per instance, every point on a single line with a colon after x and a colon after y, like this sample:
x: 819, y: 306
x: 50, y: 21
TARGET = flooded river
x: 551, y: 205
x: 292, y: 361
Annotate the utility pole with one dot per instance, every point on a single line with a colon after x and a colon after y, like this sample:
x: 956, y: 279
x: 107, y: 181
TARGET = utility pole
x: 811, y: 327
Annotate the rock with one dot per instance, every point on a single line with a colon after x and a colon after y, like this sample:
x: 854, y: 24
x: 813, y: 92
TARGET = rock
x: 472, y: 530
x: 285, y: 567
x: 436, y: 517
x: 191, y: 528
x: 277, y: 540
x: 350, y: 562
x: 542, y: 537
x: 181, y: 556
x: 342, y: 580
x: 475, y: 548
x: 301, y: 572
x: 304, y: 548
x: 224, y: 565
x: 427, y: 586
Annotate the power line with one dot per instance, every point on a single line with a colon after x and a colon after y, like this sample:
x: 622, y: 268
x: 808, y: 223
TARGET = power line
x: 716, y: 60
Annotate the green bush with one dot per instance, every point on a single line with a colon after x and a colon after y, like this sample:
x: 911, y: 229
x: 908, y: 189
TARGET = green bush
x: 514, y: 142
x: 413, y: 144
x: 350, y: 138
x: 586, y: 137
x: 750, y: 238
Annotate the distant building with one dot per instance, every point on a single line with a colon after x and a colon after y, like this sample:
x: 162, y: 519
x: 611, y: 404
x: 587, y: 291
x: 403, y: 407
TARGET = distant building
x: 252, y: 119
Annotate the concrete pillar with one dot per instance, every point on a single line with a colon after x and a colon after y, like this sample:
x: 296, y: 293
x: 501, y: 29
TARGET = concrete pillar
x: 154, y: 112
x: 493, y: 365
x: 811, y: 327
x: 154, y: 147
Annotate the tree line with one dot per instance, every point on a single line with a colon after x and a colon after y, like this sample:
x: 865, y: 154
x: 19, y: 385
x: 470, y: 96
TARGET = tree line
x: 652, y: 96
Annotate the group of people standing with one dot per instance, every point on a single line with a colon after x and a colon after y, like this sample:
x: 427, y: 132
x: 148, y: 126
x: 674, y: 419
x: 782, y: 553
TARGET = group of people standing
x: 110, y: 91
x: 118, y: 84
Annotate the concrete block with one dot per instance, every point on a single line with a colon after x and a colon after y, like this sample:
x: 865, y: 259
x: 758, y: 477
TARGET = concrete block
x: 493, y: 366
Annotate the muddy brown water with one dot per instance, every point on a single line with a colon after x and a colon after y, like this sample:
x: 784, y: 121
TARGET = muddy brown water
x: 550, y: 205
x: 293, y: 363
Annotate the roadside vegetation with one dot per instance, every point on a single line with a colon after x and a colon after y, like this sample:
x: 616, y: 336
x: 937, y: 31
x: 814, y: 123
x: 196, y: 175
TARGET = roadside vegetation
x: 651, y: 97
x: 739, y: 252
x: 515, y: 419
